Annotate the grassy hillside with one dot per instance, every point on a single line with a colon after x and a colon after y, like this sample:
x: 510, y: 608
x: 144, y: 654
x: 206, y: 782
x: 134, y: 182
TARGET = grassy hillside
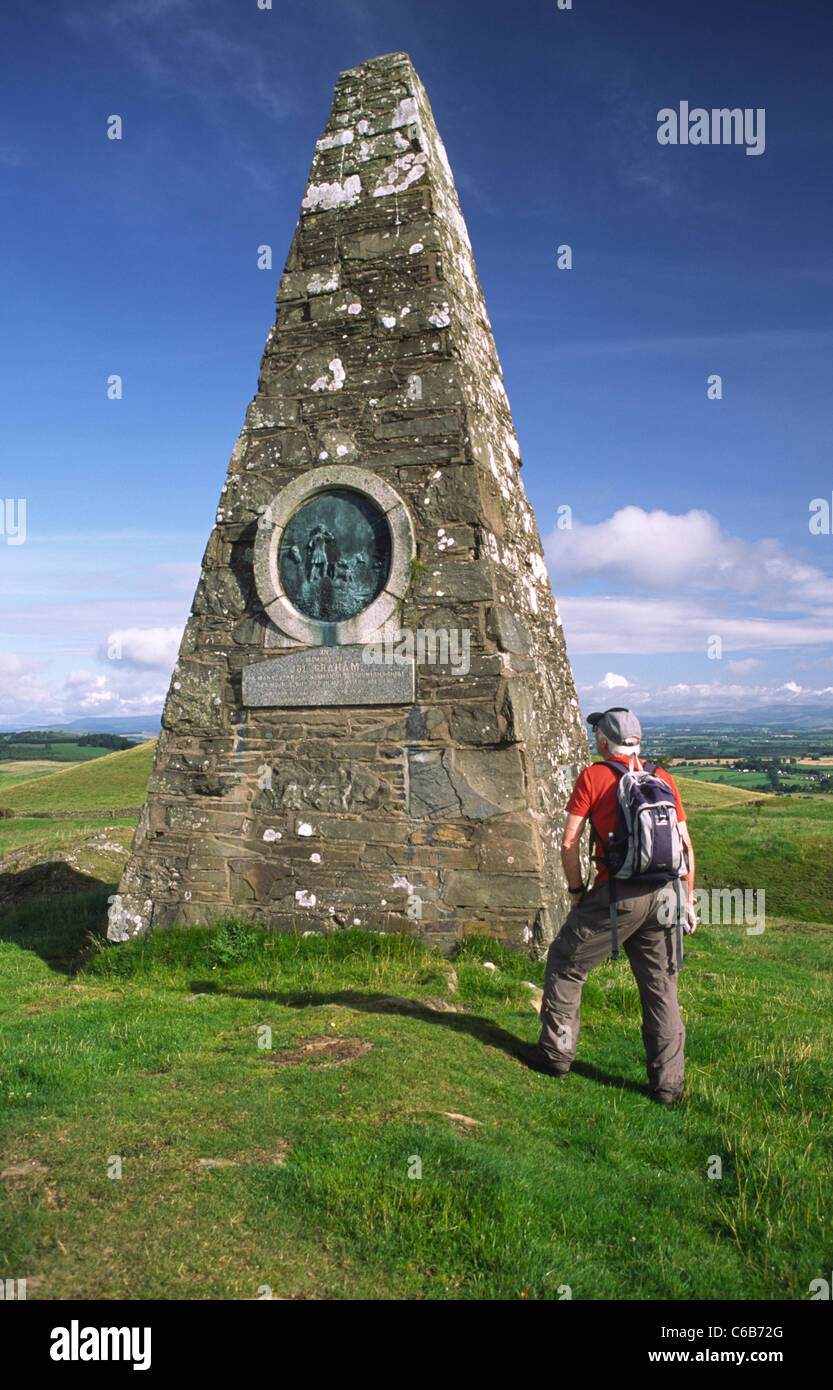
x: 114, y: 780
x: 778, y: 844
x: 289, y: 1159
x: 96, y: 843
x: 97, y: 846
x: 696, y: 795
x: 21, y: 770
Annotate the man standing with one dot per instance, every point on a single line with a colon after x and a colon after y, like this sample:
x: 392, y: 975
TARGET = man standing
x: 644, y: 917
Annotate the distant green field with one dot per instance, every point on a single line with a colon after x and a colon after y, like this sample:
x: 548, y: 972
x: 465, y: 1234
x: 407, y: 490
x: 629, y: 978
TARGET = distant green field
x: 742, y: 839
x: 708, y: 795
x: 728, y: 776
x: 55, y: 752
x: 790, y: 780
x: 112, y: 781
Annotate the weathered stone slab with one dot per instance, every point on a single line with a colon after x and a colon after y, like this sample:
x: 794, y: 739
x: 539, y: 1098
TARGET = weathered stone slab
x: 467, y: 782
x: 327, y: 676
x: 465, y: 889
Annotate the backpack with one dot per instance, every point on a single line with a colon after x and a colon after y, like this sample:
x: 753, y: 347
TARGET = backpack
x: 646, y: 846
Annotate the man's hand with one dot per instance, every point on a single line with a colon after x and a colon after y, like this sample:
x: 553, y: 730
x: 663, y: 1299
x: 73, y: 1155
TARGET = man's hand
x: 690, y: 921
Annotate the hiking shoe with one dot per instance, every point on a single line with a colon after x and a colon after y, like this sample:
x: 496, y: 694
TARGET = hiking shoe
x: 533, y: 1057
x: 666, y: 1097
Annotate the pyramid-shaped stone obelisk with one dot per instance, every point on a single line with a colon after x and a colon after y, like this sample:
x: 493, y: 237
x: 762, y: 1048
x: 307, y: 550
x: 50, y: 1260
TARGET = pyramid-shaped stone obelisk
x: 372, y: 719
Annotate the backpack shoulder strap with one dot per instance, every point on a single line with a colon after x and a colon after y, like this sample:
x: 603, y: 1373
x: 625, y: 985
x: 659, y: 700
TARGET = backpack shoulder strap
x: 601, y: 857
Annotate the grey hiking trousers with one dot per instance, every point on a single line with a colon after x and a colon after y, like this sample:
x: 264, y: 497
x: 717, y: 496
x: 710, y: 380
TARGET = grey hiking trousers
x: 584, y: 942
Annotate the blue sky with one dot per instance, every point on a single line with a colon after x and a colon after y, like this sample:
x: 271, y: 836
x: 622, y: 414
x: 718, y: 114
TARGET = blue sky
x: 690, y: 516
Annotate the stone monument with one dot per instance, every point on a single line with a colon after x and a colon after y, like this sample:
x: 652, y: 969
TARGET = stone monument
x: 372, y: 720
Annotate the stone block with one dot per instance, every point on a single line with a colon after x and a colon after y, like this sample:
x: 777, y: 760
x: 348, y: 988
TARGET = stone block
x: 471, y: 783
x: 465, y: 889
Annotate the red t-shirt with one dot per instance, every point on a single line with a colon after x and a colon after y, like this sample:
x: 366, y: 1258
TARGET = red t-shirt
x: 595, y: 795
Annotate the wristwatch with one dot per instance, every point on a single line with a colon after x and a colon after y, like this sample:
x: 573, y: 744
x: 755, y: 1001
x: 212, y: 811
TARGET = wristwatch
x: 580, y: 888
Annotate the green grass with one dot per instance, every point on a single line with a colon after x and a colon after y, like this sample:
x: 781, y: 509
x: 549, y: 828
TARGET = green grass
x: 22, y: 770
x: 150, y: 1052
x: 696, y: 794
x: 778, y: 844
x: 31, y: 840
x: 113, y: 781
x: 723, y: 776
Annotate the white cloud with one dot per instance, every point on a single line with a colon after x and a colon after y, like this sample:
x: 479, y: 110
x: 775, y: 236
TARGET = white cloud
x: 27, y: 697
x: 687, y: 698
x: 662, y: 552
x: 74, y: 645
x: 613, y: 682
x: 673, y: 584
x: 22, y: 688
x: 144, y: 646
x: 89, y: 693
x: 629, y: 626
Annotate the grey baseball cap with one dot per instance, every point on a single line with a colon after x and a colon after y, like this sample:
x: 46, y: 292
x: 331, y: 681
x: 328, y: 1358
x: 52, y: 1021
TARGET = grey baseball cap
x: 617, y: 725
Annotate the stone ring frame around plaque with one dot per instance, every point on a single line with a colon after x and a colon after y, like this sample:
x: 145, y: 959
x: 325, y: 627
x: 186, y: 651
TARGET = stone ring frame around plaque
x: 269, y: 551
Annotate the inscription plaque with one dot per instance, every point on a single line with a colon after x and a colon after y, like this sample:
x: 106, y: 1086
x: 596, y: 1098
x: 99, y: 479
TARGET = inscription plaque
x: 327, y: 676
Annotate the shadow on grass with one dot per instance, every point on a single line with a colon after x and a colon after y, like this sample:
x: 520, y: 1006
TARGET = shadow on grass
x: 66, y: 930
x: 484, y: 1030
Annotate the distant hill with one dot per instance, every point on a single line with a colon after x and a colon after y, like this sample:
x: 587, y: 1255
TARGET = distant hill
x: 142, y: 726
x: 785, y: 717
x: 145, y: 724
x: 798, y: 718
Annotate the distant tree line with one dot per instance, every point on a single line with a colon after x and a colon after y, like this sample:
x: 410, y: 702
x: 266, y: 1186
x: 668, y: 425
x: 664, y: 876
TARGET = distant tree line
x: 114, y: 741
x: 41, y: 736
x: 45, y: 738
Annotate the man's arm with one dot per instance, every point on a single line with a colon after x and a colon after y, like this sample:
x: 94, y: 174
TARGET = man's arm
x: 571, y: 852
x: 686, y: 839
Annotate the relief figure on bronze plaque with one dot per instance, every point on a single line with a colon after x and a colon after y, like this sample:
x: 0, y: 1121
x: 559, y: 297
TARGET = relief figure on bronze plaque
x: 335, y: 555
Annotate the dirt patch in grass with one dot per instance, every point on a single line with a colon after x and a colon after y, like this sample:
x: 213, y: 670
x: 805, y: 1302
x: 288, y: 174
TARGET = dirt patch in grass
x: 321, y: 1052
x: 30, y: 1167
x: 276, y: 1155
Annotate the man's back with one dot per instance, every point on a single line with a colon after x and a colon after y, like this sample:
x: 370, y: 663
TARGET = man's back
x: 595, y: 793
